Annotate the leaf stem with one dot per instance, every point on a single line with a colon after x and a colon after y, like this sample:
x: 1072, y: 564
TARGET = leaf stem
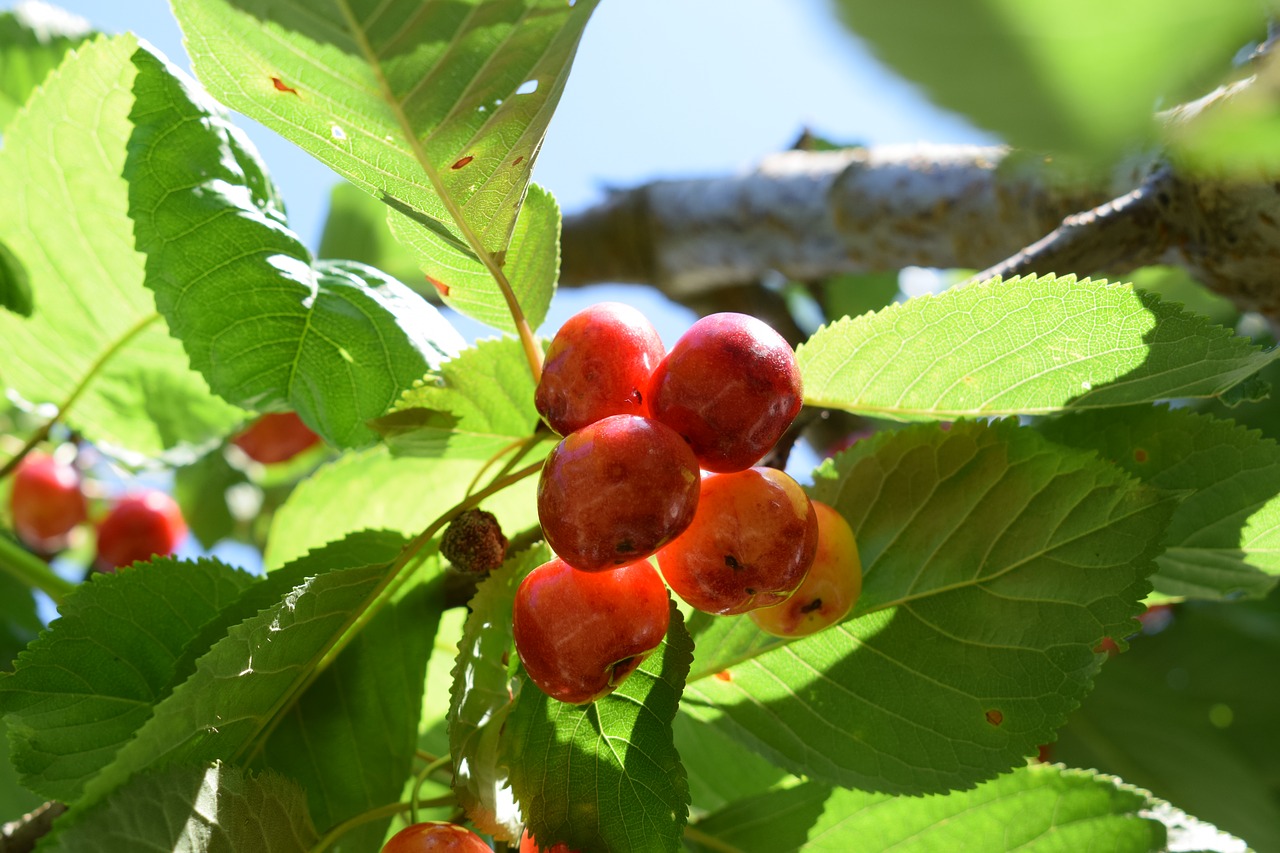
x: 414, y: 802
x: 532, y: 352
x: 389, y: 810
x: 43, y: 433
x: 22, y: 565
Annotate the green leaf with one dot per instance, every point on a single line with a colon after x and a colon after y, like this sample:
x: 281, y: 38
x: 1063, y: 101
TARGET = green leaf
x: 251, y: 676
x: 356, y: 229
x: 1080, y: 76
x: 720, y: 769
x: 993, y: 563
x: 605, y: 776
x: 15, y: 800
x: 531, y: 264
x: 477, y: 404
x: 350, y: 739
x: 426, y: 106
x: 855, y: 295
x: 15, y: 288
x: 82, y: 689
x: 1022, y: 347
x: 219, y: 809
x: 334, y: 340
x: 201, y: 490
x: 33, y: 39
x: 94, y: 341
x: 1036, y: 808
x: 1206, y: 684
x: 1224, y: 539
x: 480, y: 700
x: 373, y: 489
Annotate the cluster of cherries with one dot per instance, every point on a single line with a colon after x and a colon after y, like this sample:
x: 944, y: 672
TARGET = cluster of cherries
x: 657, y: 461
x: 48, y: 502
x: 435, y: 836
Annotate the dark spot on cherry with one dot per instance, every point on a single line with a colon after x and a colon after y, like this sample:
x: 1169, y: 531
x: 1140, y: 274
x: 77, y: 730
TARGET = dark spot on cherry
x: 816, y: 604
x: 732, y: 562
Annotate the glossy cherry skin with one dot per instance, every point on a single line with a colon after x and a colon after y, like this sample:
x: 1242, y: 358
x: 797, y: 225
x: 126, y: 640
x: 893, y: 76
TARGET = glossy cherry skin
x: 46, y: 501
x: 528, y: 845
x: 731, y: 387
x: 276, y: 437
x: 138, y: 527
x: 830, y: 589
x: 598, y: 365
x: 616, y: 491
x: 750, y: 545
x: 580, y: 634
x: 435, y: 836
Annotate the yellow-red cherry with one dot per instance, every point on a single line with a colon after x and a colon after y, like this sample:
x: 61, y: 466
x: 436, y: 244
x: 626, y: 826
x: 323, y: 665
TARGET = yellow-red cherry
x: 435, y: 836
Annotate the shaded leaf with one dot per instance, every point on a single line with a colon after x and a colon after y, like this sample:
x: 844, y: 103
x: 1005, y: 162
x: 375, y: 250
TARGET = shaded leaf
x: 1024, y: 346
x: 1081, y: 76
x: 217, y: 809
x: 334, y: 340
x: 1224, y: 538
x: 993, y: 563
x: 94, y: 340
x: 720, y: 769
x: 90, y: 681
x: 1190, y: 713
x: 477, y: 404
x: 34, y: 37
x: 201, y: 490
x: 350, y: 739
x: 15, y: 288
x: 481, y: 698
x: 356, y: 229
x: 605, y: 776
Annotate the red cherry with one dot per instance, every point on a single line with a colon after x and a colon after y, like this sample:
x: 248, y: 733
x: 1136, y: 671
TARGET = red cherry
x: 598, y: 365
x: 435, y: 836
x: 731, y: 387
x: 616, y: 491
x: 580, y: 634
x: 46, y: 501
x: 829, y: 590
x: 528, y: 845
x: 275, y: 438
x: 750, y: 544
x: 138, y: 527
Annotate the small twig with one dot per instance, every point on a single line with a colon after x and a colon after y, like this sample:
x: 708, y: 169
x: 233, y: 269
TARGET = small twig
x: 22, y: 565
x: 21, y: 835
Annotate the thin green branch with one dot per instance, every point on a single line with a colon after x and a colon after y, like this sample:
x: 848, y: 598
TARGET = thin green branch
x: 532, y: 352
x: 697, y: 836
x: 415, y: 802
x: 22, y: 565
x: 43, y: 433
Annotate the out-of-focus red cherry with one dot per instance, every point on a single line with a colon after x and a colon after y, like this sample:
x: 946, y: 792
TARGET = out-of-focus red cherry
x: 46, y: 501
x: 276, y: 437
x: 140, y: 525
x: 528, y: 845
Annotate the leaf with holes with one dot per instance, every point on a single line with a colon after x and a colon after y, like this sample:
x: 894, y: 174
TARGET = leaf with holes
x: 214, y: 808
x: 605, y: 776
x: 438, y: 109
x: 477, y: 404
x: 1027, y: 346
x: 1224, y: 539
x: 269, y: 328
x: 994, y: 562
x: 480, y: 700
x: 94, y: 344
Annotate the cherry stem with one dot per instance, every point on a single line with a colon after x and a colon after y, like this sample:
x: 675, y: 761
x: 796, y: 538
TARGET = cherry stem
x: 489, y: 463
x: 389, y: 810
x: 22, y: 565
x: 414, y: 802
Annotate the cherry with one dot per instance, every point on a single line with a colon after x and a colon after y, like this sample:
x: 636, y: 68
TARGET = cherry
x: 46, y: 501
x: 731, y: 387
x: 598, y: 365
x: 139, y: 526
x: 580, y: 634
x: 616, y: 491
x: 830, y: 589
x: 750, y: 544
x: 435, y: 836
x: 276, y: 437
x: 528, y: 845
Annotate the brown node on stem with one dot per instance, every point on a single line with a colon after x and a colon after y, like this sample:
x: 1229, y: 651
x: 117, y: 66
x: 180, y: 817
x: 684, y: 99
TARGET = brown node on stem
x: 474, y: 542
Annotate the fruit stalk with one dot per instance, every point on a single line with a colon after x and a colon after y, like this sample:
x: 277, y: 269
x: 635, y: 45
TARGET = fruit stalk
x: 29, y: 569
